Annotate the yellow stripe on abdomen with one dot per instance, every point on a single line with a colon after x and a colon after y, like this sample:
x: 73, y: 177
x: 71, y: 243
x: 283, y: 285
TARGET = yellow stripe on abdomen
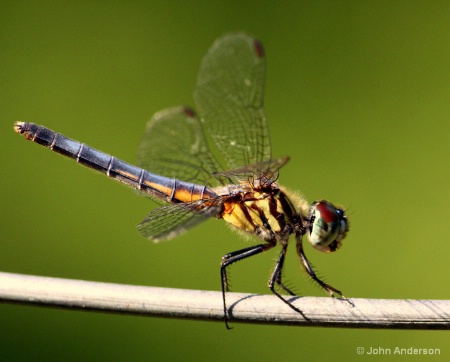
x: 159, y: 187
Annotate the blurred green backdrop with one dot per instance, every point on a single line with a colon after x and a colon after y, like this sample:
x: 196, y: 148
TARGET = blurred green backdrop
x: 357, y: 95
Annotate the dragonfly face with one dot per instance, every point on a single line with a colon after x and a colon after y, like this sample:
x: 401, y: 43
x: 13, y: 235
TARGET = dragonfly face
x: 328, y: 226
x: 177, y: 168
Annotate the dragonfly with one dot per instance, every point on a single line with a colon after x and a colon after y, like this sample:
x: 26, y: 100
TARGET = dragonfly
x: 237, y: 182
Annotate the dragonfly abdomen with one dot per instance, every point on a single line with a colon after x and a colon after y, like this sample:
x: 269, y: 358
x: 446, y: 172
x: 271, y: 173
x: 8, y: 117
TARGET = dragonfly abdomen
x: 168, y: 189
x: 175, y: 191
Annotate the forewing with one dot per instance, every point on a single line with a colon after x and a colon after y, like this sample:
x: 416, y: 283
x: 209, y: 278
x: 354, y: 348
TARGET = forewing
x: 174, y: 145
x: 167, y: 222
x: 229, y: 96
x: 262, y: 173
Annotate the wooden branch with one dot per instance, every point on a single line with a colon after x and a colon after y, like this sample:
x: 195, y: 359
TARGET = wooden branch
x: 207, y: 305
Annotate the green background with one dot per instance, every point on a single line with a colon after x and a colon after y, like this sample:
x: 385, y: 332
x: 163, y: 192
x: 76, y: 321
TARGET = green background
x: 357, y: 94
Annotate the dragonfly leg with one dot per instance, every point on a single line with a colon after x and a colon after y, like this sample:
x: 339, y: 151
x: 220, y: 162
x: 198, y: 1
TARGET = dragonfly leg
x: 307, y: 266
x: 231, y: 258
x: 275, y: 279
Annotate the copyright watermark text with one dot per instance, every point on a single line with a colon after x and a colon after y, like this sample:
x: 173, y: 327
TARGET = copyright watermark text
x: 397, y: 351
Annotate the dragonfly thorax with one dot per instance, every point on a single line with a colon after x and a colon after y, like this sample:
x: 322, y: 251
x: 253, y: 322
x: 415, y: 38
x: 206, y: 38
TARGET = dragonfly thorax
x: 267, y: 213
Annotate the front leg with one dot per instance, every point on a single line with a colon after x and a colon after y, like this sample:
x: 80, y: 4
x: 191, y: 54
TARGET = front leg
x: 307, y: 266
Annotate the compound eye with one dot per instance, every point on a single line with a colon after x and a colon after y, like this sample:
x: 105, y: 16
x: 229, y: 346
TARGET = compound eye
x: 328, y: 226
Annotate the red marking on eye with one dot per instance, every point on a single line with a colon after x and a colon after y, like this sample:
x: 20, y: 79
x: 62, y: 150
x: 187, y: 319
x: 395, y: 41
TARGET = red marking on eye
x: 259, y: 49
x: 189, y: 112
x: 327, y: 213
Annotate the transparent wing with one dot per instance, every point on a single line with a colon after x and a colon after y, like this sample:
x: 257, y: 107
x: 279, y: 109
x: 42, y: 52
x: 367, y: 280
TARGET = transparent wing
x: 174, y: 145
x: 229, y: 96
x: 263, y: 173
x: 167, y: 222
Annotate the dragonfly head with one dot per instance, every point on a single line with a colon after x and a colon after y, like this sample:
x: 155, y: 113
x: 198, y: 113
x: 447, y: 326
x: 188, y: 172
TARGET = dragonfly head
x: 327, y: 226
